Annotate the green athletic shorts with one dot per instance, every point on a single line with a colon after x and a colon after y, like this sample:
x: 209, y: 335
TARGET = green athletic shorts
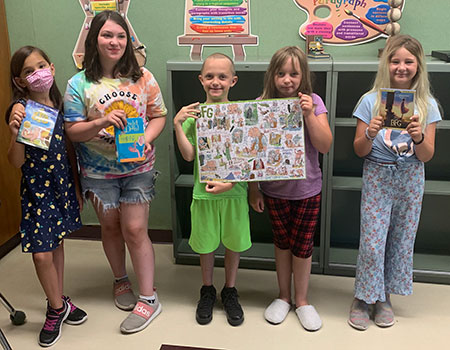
x: 220, y: 220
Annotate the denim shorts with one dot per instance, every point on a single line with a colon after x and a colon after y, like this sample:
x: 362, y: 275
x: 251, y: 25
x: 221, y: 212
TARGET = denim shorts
x: 139, y: 188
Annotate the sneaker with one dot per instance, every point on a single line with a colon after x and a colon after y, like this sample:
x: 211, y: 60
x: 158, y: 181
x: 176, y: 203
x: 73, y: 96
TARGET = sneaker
x: 277, y: 311
x: 51, y: 332
x: 124, y: 297
x: 205, y: 305
x: 144, y: 312
x: 309, y: 318
x: 233, y: 309
x: 384, y: 315
x: 359, y: 315
x: 76, y: 315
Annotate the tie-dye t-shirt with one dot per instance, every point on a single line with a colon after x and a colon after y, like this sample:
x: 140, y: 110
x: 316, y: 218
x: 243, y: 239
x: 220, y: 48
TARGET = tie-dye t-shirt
x: 86, y: 101
x: 392, y: 145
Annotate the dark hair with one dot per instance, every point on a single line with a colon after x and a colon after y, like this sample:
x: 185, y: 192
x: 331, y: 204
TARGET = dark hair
x: 16, y: 66
x: 127, y: 66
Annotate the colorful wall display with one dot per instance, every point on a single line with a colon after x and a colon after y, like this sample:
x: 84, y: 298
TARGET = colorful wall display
x: 251, y: 141
x: 91, y: 8
x: 217, y: 23
x: 349, y: 22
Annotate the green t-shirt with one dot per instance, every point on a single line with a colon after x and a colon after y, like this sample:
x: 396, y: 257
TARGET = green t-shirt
x: 239, y: 190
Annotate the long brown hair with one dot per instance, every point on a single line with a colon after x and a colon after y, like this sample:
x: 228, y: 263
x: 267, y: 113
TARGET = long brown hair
x: 278, y: 59
x: 127, y: 67
x: 16, y: 66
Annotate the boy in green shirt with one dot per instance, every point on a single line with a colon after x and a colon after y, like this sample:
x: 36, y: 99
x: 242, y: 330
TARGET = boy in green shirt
x: 219, y: 211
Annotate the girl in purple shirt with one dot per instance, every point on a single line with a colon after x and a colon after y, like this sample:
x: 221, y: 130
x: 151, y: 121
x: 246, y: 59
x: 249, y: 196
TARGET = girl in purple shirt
x: 294, y: 205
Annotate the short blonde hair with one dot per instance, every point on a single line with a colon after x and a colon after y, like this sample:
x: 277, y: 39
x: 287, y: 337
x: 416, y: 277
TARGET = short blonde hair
x: 219, y: 56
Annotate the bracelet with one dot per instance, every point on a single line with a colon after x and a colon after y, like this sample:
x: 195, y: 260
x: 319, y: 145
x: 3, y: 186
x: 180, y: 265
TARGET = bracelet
x: 368, y: 136
x: 21, y: 100
x: 421, y: 140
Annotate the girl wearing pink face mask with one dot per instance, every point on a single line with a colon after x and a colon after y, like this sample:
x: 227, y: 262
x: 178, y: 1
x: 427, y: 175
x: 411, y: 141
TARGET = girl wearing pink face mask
x: 49, y: 192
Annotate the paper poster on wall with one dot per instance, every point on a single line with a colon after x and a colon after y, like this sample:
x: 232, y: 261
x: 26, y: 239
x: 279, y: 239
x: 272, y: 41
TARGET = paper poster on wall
x: 91, y: 8
x: 251, y: 141
x: 217, y: 23
x: 349, y: 22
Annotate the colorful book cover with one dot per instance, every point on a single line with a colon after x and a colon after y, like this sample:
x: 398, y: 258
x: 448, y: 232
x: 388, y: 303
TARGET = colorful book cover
x: 397, y: 107
x: 37, y: 126
x: 130, y: 142
x: 260, y: 140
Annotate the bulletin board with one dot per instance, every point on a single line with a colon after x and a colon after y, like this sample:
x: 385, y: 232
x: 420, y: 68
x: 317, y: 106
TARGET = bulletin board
x: 217, y: 23
x: 349, y: 22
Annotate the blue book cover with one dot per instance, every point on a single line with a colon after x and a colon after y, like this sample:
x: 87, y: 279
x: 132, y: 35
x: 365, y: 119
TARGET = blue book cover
x: 37, y: 127
x: 130, y: 142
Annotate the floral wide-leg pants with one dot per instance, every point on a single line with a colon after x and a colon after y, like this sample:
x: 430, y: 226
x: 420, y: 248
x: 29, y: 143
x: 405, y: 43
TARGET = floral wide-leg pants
x: 391, y: 201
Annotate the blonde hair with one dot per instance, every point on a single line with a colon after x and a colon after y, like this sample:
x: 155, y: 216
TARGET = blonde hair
x: 420, y: 81
x: 278, y: 59
x: 219, y: 55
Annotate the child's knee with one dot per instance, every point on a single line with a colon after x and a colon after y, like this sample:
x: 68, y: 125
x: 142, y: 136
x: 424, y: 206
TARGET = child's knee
x: 43, y: 258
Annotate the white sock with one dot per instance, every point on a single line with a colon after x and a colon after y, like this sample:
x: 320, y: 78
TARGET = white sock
x: 147, y: 298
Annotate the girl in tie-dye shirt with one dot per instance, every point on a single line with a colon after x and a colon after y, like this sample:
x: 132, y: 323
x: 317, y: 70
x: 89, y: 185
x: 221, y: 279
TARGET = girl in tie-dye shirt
x: 110, y: 89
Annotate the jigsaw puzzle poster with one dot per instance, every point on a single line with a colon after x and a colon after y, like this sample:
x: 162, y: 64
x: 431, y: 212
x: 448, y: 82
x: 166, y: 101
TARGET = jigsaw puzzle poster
x: 259, y: 140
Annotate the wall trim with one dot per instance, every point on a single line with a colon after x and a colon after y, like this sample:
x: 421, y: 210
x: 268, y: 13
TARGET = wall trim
x: 9, y: 245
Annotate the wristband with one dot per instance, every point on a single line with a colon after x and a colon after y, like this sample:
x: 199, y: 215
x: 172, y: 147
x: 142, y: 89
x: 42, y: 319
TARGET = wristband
x: 421, y: 140
x: 368, y: 136
x: 21, y: 100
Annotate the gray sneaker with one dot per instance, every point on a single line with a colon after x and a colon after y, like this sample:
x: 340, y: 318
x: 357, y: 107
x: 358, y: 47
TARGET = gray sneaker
x: 144, y: 312
x: 359, y: 315
x: 124, y: 297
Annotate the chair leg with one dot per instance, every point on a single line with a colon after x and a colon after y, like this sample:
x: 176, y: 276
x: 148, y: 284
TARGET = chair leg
x: 4, y: 341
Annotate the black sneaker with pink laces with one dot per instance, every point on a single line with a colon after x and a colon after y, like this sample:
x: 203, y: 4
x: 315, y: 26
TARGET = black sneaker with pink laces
x: 51, y: 332
x: 76, y: 316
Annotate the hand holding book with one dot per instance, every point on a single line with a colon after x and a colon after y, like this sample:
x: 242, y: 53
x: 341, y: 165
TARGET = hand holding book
x: 397, y: 107
x: 415, y: 130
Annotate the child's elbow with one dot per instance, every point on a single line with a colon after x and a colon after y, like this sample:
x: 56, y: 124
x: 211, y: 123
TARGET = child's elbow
x: 16, y: 163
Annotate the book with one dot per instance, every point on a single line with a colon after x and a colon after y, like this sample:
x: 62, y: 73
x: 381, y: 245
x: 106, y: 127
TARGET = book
x: 37, y: 127
x: 397, y: 107
x: 130, y: 141
x: 258, y: 140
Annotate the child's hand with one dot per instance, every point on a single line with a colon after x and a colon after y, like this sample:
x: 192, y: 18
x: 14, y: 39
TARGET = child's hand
x: 189, y: 111
x: 116, y: 117
x: 148, y: 147
x: 256, y: 199
x: 16, y: 117
x: 306, y: 103
x: 375, y: 125
x: 215, y: 187
x: 415, y: 129
x: 79, y: 199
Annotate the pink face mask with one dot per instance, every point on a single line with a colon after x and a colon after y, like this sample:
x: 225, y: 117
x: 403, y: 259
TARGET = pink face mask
x: 40, y: 80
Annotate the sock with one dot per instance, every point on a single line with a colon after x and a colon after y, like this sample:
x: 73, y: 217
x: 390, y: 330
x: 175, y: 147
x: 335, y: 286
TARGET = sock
x: 61, y: 309
x: 118, y: 279
x: 147, y: 298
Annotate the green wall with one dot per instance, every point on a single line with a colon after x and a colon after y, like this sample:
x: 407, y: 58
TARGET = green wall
x: 54, y: 25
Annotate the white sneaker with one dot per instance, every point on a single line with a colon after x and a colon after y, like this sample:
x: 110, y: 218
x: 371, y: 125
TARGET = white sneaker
x: 277, y: 311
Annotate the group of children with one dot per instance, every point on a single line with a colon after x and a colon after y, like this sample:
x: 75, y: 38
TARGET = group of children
x: 53, y: 190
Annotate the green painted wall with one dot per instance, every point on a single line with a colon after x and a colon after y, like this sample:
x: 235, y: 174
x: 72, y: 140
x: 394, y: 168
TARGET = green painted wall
x: 53, y: 25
